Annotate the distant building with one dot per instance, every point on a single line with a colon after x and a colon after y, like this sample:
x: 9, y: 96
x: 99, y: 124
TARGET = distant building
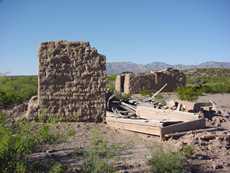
x: 130, y: 83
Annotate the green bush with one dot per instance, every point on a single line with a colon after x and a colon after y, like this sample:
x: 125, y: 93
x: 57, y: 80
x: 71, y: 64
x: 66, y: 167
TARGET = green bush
x: 14, y: 90
x: 146, y: 92
x: 110, y: 82
x: 189, y: 93
x: 162, y: 161
x: 19, y: 139
x: 217, y: 88
x: 111, y: 77
x: 212, y: 80
x: 57, y: 168
x: 187, y: 150
x: 168, y: 161
x: 99, y: 155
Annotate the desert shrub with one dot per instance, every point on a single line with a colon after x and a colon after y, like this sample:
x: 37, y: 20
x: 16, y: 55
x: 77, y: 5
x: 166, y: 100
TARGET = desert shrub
x: 57, y: 168
x: 189, y: 93
x: 14, y: 90
x: 145, y: 92
x: 217, y: 88
x: 159, y: 98
x: 123, y: 97
x: 42, y: 166
x: 207, y: 74
x: 46, y: 117
x: 168, y: 161
x: 111, y: 77
x: 45, y: 135
x: 18, y: 140
x: 70, y: 132
x: 162, y: 161
x: 99, y: 154
x: 187, y: 150
x: 212, y: 80
x: 110, y: 82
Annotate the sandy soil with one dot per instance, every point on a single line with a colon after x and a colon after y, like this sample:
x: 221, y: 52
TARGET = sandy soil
x: 133, y: 157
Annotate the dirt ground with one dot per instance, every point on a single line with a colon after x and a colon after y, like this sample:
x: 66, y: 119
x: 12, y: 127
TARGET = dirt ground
x: 210, y: 151
x: 135, y: 147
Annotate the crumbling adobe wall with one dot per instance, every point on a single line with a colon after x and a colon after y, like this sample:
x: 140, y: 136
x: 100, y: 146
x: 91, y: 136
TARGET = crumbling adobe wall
x: 134, y: 83
x: 141, y: 82
x: 71, y: 81
x: 173, y: 77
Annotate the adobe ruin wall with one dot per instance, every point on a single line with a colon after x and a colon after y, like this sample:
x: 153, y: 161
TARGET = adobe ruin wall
x: 71, y: 81
x: 130, y: 83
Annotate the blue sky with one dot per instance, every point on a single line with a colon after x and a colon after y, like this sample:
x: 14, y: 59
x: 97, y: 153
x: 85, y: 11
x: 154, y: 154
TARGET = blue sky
x: 141, y: 31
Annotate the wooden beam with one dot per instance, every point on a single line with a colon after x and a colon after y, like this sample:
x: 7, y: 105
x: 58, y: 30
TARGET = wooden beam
x: 133, y: 108
x: 157, y: 92
x: 185, y: 126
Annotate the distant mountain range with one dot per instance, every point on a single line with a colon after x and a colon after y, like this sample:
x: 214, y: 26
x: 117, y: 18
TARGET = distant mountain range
x: 119, y: 67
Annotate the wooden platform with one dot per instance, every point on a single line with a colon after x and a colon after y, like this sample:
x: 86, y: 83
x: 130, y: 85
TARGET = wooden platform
x: 152, y: 127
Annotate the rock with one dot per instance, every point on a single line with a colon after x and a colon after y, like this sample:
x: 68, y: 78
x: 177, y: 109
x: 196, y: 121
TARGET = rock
x: 227, y: 141
x: 216, y: 121
x: 208, y: 137
x: 18, y: 110
x: 217, y: 165
x: 32, y: 109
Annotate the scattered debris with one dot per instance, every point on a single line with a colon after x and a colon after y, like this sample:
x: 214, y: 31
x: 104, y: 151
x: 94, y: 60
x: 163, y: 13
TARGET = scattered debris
x: 175, y: 118
x: 150, y: 118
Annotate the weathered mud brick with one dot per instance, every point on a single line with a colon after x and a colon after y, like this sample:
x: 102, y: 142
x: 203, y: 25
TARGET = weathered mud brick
x: 131, y: 83
x: 71, y: 81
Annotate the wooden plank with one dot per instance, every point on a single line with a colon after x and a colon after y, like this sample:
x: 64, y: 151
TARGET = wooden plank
x: 128, y: 106
x: 147, y: 111
x: 152, y: 127
x: 128, y: 109
x: 157, y: 92
x: 135, y: 125
x: 185, y: 126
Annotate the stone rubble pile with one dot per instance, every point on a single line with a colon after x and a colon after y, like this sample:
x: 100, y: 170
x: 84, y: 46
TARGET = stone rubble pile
x: 211, y: 149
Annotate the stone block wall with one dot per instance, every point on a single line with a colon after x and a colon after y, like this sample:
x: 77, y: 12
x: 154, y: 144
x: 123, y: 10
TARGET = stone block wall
x: 71, y: 81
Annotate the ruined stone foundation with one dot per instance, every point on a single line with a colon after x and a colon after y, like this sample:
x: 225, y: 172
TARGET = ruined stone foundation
x: 130, y: 83
x: 71, y: 81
